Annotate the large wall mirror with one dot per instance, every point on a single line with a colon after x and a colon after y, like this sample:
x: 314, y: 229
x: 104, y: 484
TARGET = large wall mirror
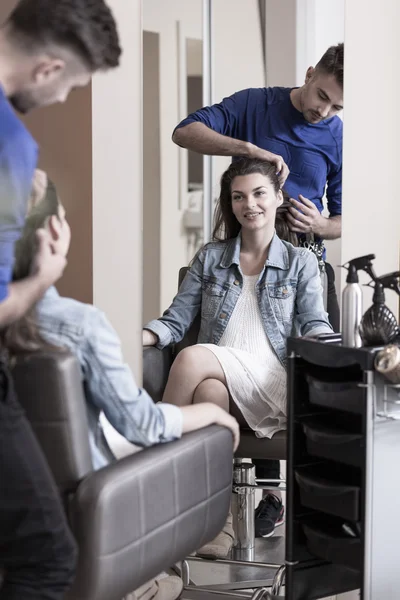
x: 194, y: 56
x: 191, y: 54
x: 172, y: 177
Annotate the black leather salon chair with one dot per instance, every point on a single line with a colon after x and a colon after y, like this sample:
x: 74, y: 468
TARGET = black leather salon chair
x: 139, y: 515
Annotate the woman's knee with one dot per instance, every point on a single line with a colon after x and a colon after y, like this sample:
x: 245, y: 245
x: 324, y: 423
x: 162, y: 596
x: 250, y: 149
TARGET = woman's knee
x: 196, y: 362
x: 212, y: 390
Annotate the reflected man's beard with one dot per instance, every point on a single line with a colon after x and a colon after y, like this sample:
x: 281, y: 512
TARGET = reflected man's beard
x: 23, y: 102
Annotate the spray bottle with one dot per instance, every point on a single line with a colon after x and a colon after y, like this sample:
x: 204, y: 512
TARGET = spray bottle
x: 352, y: 300
x: 379, y: 325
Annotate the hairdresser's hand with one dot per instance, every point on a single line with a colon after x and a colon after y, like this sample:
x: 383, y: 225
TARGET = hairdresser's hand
x: 39, y: 187
x: 281, y: 167
x: 48, y: 266
x: 149, y: 338
x: 304, y: 217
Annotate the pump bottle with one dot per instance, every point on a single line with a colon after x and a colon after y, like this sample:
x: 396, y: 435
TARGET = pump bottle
x: 352, y: 300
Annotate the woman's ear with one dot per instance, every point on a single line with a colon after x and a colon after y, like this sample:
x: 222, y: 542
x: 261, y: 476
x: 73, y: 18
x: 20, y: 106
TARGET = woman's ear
x: 279, y: 198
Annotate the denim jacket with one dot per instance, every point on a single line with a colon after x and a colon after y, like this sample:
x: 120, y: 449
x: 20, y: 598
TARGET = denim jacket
x: 109, y: 383
x: 289, y: 293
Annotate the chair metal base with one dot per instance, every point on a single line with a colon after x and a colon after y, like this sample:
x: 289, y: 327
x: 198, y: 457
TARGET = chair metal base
x: 248, y: 589
x: 248, y: 553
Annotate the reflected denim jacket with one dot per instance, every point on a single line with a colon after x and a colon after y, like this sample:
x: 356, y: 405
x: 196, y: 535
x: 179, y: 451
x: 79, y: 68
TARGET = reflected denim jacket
x: 289, y: 294
x: 109, y: 383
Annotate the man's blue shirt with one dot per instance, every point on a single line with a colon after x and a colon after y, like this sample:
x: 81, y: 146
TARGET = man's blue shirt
x: 267, y: 118
x: 18, y: 158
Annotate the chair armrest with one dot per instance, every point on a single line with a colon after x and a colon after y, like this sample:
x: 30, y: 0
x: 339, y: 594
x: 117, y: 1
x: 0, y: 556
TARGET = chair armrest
x: 156, y: 366
x: 145, y: 512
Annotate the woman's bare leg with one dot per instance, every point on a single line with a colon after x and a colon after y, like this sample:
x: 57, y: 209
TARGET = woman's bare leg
x: 193, y: 367
x: 212, y: 390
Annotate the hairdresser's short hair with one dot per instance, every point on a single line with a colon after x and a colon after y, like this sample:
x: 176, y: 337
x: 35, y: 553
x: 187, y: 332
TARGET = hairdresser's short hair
x: 331, y: 62
x: 86, y: 27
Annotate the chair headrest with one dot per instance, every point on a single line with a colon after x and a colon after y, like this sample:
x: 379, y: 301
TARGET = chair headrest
x: 49, y: 388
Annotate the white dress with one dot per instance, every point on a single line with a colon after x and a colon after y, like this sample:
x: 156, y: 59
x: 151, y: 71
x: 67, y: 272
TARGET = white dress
x: 255, y: 377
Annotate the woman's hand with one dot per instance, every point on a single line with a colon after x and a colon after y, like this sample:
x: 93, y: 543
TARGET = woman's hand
x: 149, y: 338
x: 224, y: 419
x: 197, y: 416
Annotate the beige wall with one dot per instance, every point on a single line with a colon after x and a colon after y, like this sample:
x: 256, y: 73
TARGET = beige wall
x: 64, y: 133
x: 236, y: 37
x: 371, y: 217
x: 281, y: 42
x: 161, y: 16
x: 117, y: 186
x: 151, y: 177
x: 238, y: 56
x: 318, y: 26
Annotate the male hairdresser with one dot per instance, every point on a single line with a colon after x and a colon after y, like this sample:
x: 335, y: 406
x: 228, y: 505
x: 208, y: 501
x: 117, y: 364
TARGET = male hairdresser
x: 297, y: 129
x: 47, y: 48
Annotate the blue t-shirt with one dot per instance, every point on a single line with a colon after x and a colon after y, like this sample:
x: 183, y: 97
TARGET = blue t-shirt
x: 18, y: 158
x: 267, y: 118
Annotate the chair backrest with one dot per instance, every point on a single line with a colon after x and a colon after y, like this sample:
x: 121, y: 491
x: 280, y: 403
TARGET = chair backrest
x: 49, y: 388
x: 193, y: 333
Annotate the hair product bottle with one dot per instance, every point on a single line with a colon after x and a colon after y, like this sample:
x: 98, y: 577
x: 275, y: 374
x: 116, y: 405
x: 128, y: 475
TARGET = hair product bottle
x: 352, y: 300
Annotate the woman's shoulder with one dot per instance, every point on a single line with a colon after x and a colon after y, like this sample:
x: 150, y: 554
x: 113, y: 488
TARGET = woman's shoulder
x: 295, y: 251
x: 67, y: 315
x: 216, y: 246
x: 211, y: 250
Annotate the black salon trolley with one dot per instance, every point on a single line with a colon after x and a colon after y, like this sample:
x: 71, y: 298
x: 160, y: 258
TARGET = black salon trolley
x: 343, y: 474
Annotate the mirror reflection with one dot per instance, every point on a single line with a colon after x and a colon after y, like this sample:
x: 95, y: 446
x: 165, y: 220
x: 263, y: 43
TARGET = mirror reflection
x: 277, y: 108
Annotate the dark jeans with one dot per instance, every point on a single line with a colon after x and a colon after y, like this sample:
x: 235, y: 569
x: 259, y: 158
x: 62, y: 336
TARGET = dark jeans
x: 37, y: 551
x: 332, y: 300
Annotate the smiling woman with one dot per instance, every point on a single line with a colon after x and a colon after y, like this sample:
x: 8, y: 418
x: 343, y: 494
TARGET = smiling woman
x: 253, y: 290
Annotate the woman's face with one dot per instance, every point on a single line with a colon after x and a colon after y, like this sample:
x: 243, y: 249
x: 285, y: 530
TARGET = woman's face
x: 60, y: 232
x: 254, y: 201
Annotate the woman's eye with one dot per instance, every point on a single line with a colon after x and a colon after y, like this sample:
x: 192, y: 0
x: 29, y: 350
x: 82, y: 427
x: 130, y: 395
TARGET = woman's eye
x: 236, y: 198
x: 260, y: 193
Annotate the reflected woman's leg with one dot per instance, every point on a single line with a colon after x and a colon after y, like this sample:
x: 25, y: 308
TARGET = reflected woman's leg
x: 193, y: 367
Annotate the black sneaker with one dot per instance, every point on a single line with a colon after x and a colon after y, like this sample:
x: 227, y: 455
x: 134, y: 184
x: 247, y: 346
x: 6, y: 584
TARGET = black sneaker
x: 268, y: 515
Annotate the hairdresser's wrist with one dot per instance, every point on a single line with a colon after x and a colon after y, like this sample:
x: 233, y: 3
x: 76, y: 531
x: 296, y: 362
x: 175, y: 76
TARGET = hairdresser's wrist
x: 248, y: 149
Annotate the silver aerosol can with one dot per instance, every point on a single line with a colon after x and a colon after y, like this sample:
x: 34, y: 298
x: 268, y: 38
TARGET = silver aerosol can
x: 351, y: 310
x: 352, y: 300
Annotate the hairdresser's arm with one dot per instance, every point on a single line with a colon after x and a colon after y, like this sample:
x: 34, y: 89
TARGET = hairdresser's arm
x: 46, y: 270
x: 200, y: 138
x: 222, y: 129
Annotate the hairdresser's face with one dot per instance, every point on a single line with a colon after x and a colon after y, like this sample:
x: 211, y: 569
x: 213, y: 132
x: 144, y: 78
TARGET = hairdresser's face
x: 50, y: 82
x: 321, y: 97
x: 60, y: 232
x: 254, y: 201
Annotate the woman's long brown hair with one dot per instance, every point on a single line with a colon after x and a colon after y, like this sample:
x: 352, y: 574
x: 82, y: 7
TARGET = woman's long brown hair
x: 226, y: 226
x: 23, y: 335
